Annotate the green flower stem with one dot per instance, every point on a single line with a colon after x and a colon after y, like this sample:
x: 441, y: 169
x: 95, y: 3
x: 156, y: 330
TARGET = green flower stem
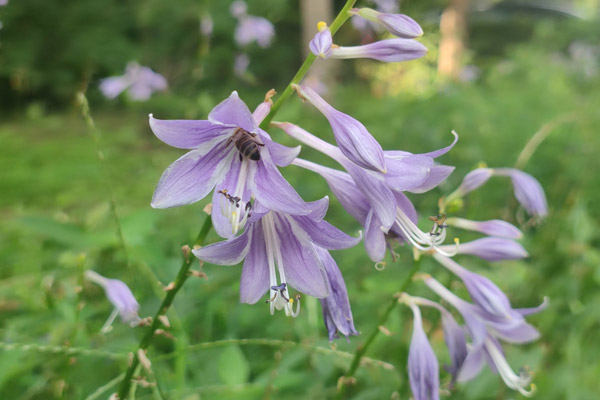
x: 337, y: 23
x: 182, y: 276
x: 362, y: 349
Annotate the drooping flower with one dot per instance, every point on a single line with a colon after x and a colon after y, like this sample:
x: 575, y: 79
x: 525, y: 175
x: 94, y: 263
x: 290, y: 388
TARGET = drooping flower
x: 120, y: 296
x: 231, y: 154
x: 280, y: 253
x: 337, y: 314
x: 423, y: 370
x: 321, y: 44
x: 485, y: 329
x: 494, y: 227
x: 251, y: 28
x: 528, y: 190
x: 139, y: 81
x: 376, y: 200
x: 399, y: 25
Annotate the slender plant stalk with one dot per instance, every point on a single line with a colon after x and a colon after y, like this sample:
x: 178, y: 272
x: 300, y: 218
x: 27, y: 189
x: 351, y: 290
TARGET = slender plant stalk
x: 362, y: 349
x: 337, y: 23
x: 182, y: 276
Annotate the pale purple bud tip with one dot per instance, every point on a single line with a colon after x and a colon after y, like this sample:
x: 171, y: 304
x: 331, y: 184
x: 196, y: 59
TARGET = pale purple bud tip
x: 493, y: 249
x: 494, y: 227
x: 321, y: 44
x: 475, y: 179
x: 389, y: 50
x: 528, y: 191
x: 399, y: 25
x: 423, y: 370
x: 119, y: 294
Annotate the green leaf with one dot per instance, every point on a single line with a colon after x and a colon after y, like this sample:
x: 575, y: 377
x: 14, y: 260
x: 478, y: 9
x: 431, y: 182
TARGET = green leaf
x: 233, y: 366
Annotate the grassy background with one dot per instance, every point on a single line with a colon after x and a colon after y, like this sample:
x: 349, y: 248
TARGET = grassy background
x: 57, y: 222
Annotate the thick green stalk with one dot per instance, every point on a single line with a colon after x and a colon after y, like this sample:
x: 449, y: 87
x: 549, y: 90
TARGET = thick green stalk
x: 337, y: 23
x: 182, y: 276
x: 362, y: 349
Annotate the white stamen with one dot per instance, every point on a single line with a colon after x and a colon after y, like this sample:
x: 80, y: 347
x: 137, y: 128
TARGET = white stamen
x: 279, y: 299
x: 423, y: 241
x: 236, y: 211
x: 512, y: 380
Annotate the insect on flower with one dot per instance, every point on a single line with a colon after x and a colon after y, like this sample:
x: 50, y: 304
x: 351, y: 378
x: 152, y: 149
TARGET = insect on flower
x: 247, y: 144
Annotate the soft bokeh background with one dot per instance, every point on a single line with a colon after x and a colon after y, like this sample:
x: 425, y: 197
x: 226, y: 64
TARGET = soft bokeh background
x: 527, y: 66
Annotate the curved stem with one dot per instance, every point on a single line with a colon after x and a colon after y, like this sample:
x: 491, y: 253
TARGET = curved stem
x: 362, y: 349
x: 337, y: 23
x: 182, y: 276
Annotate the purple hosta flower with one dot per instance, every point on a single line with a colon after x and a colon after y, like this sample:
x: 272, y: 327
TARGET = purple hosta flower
x: 423, y: 370
x: 240, y: 64
x: 397, y: 24
x: 121, y: 298
x: 321, y: 44
x: 494, y: 227
x: 492, y: 249
x: 528, y: 190
x: 485, y: 329
x: 352, y: 137
x: 454, y: 334
x: 279, y: 253
x: 377, y: 200
x: 251, y: 28
x: 387, y: 50
x: 336, y: 307
x: 3, y: 2
x: 139, y: 81
x: 231, y: 154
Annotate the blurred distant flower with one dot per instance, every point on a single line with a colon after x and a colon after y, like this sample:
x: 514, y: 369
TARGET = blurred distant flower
x: 238, y: 9
x: 206, y: 25
x: 251, y: 28
x: 336, y: 307
x: 240, y: 64
x: 312, y: 81
x: 397, y: 24
x: 139, y: 81
x: 586, y: 57
x: 121, y: 298
x: 3, y: 2
x: 320, y: 45
x: 388, y: 50
x: 279, y: 252
x: 423, y: 370
x: 469, y: 73
x: 229, y: 152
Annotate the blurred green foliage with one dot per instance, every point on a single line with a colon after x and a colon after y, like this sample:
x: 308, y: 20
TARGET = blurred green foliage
x: 57, y: 221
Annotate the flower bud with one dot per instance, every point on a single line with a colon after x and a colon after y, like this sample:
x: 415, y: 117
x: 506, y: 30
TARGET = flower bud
x: 493, y: 227
x: 397, y: 24
x: 321, y: 44
x: 475, y: 179
x: 388, y: 50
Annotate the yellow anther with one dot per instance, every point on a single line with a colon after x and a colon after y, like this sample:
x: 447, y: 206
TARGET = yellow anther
x: 481, y: 164
x: 291, y: 301
x: 457, y: 241
x: 321, y: 26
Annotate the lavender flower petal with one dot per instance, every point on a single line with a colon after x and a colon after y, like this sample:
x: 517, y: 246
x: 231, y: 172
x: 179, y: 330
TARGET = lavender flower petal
x: 528, y: 191
x: 113, y: 86
x: 336, y: 307
x: 474, y: 179
x: 302, y: 267
x: 187, y: 134
x: 227, y: 252
x: 374, y: 238
x: 492, y: 249
x: 397, y: 24
x: 254, y: 282
x: 320, y: 45
x: 322, y: 233
x: 233, y: 112
x: 192, y: 176
x: 353, y: 139
x: 423, y: 370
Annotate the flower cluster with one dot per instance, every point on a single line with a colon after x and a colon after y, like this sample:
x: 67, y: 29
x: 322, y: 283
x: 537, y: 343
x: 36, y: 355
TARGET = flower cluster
x: 284, y: 241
